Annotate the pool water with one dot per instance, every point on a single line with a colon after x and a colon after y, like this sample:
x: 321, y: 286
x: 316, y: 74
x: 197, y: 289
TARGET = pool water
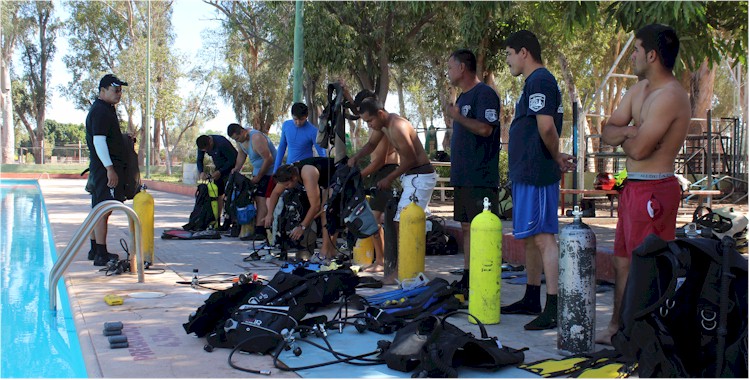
x: 36, y: 342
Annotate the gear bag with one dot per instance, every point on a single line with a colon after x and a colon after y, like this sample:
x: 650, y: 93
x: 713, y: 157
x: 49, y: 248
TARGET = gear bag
x: 132, y: 174
x: 391, y: 310
x: 348, y: 203
x: 433, y: 347
x: 439, y: 242
x: 257, y: 328
x: 239, y: 204
x: 684, y: 312
x: 295, y: 206
x: 219, y: 307
x: 203, y: 214
x: 256, y: 325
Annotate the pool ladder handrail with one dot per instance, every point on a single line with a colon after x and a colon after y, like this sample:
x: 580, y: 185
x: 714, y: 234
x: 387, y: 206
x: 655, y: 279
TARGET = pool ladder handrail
x: 66, y: 257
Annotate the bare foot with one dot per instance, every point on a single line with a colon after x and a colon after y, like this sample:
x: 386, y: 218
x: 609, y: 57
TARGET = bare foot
x: 604, y: 337
x: 328, y: 256
x: 374, y: 268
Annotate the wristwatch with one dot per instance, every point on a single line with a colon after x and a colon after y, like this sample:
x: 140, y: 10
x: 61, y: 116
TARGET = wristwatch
x: 302, y: 227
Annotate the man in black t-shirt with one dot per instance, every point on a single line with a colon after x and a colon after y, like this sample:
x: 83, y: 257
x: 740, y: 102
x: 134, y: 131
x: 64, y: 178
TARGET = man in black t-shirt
x: 475, y: 147
x: 106, y: 159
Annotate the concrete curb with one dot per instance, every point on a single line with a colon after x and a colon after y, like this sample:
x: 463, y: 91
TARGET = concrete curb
x: 43, y: 176
x: 168, y: 187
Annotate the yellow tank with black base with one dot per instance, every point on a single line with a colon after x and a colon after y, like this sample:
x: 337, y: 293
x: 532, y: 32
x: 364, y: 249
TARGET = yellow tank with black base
x: 486, y: 245
x: 411, y: 241
x: 213, y: 192
x: 143, y: 205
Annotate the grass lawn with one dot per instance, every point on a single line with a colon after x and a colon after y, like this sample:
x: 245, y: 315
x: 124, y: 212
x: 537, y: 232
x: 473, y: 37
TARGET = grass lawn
x: 158, y: 173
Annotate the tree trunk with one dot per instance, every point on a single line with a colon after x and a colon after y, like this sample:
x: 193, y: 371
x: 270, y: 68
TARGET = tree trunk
x: 702, y: 90
x: 583, y: 127
x: 482, y: 55
x: 743, y: 91
x: 447, y: 94
x: 168, y: 161
x: 7, y: 134
x: 41, y: 90
x: 156, y: 146
x: 401, y: 101
x: 142, y: 144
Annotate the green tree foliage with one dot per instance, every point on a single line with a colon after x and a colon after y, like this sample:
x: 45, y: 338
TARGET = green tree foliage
x: 64, y: 133
x: 97, y: 35
x: 254, y: 80
x: 707, y: 29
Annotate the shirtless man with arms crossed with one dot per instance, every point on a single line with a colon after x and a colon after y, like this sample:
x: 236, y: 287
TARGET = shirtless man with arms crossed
x: 650, y: 124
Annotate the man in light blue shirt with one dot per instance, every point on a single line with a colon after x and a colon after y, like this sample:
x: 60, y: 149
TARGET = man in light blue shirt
x: 258, y: 148
x: 299, y: 135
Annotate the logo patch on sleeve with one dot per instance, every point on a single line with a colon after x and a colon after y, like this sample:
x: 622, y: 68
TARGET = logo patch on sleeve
x: 490, y: 115
x: 536, y: 102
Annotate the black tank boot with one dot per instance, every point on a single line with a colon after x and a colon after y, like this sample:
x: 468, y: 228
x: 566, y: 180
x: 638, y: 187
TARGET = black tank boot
x: 548, y: 319
x: 528, y: 305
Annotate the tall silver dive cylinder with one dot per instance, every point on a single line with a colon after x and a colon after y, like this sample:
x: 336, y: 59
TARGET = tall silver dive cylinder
x: 576, y: 311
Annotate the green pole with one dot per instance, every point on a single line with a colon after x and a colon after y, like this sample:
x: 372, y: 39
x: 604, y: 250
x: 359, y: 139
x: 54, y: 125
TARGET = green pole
x: 298, y: 52
x: 148, y: 96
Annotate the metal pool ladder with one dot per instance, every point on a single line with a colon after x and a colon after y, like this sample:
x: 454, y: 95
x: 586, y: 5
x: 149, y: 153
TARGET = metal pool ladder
x: 66, y: 257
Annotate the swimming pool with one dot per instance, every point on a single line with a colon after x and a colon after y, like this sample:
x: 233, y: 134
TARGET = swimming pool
x: 36, y: 342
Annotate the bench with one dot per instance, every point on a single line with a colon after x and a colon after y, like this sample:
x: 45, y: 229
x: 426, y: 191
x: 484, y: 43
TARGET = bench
x: 612, y: 194
x: 444, y: 187
x: 702, y: 194
x: 443, y: 183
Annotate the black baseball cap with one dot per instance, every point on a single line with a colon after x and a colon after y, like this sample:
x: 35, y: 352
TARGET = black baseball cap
x: 111, y: 80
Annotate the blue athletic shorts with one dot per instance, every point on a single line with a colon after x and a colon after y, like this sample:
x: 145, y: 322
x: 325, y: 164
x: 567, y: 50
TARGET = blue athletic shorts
x: 535, y: 209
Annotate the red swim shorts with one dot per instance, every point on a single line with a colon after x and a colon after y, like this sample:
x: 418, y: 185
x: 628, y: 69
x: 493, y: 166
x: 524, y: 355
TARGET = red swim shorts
x: 646, y: 207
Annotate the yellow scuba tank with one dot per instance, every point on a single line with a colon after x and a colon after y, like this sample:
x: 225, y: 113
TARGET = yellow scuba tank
x: 213, y: 192
x: 246, y: 230
x: 143, y: 205
x: 364, y: 251
x: 484, y: 266
x: 411, y: 241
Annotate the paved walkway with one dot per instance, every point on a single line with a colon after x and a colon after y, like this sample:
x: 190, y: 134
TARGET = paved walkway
x: 159, y: 347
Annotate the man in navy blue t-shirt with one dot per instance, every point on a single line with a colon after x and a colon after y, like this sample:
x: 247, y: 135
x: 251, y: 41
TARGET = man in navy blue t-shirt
x: 224, y: 156
x: 475, y: 147
x: 534, y: 164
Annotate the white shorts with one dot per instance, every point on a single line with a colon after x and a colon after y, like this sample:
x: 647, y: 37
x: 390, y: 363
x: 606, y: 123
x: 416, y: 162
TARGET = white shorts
x: 420, y: 185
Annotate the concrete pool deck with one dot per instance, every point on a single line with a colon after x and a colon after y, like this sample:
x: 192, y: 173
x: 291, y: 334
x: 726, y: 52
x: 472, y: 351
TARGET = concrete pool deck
x: 159, y: 347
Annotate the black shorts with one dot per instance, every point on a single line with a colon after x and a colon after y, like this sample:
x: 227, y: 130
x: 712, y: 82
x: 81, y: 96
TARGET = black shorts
x: 381, y: 197
x: 468, y: 202
x: 265, y: 187
x: 221, y: 184
x: 102, y: 192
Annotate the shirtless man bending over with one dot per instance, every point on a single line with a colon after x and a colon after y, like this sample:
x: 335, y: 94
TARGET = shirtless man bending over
x: 417, y: 175
x: 650, y: 124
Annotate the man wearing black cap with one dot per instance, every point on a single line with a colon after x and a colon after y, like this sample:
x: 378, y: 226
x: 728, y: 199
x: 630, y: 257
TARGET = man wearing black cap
x: 106, y: 159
